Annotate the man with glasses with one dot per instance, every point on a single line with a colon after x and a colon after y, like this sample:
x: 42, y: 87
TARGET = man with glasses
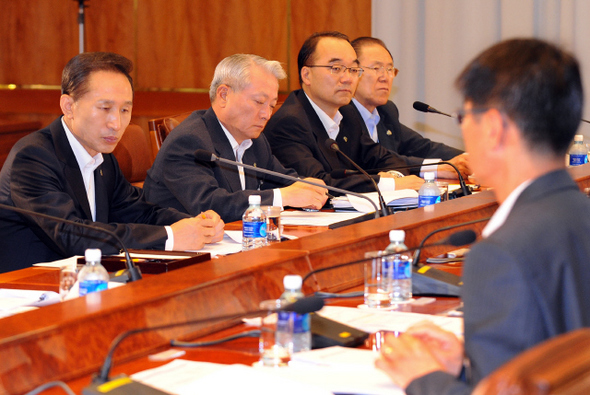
x: 527, y: 280
x: 381, y: 116
x: 328, y: 73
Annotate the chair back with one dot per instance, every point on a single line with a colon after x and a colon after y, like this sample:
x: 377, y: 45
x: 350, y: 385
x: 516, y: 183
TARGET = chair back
x: 160, y: 128
x: 134, y: 154
x: 560, y: 365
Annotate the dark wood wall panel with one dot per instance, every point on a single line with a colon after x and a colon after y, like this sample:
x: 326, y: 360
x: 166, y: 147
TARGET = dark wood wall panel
x: 174, y: 44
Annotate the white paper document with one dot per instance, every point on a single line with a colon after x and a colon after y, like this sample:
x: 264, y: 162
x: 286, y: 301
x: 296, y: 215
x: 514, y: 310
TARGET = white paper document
x: 13, y: 301
x: 401, y: 198
x: 371, y: 320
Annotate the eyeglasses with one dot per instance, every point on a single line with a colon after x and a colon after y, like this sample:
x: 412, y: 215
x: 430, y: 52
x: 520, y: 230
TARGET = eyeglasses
x: 460, y: 115
x: 338, y: 69
x: 381, y: 70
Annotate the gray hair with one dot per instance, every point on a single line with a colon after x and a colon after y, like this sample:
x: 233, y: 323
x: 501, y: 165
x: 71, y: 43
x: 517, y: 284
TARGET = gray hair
x: 235, y: 71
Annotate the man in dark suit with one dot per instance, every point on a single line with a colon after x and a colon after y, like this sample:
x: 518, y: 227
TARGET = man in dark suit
x: 243, y: 93
x: 67, y: 170
x: 381, y: 116
x: 297, y: 133
x: 527, y: 280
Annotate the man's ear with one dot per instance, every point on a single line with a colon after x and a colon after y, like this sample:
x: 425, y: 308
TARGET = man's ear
x: 66, y: 103
x: 305, y: 76
x: 222, y: 92
x: 497, y: 128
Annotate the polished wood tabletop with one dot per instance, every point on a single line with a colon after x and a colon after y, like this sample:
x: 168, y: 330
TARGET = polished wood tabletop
x: 68, y: 340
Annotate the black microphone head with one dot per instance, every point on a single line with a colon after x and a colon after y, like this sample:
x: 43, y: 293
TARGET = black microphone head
x: 204, y: 155
x: 332, y: 144
x: 338, y: 173
x: 306, y: 305
x: 461, y: 238
x: 418, y: 105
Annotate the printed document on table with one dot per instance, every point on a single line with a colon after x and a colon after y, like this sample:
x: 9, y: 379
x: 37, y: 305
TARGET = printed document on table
x: 401, y: 198
x: 316, y: 218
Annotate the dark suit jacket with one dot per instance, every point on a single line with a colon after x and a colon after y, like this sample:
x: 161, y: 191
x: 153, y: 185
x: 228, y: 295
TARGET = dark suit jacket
x: 297, y: 138
x: 525, y: 283
x: 177, y: 180
x: 41, y: 174
x: 401, y: 139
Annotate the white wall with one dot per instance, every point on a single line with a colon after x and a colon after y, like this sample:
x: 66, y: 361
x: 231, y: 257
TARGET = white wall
x: 432, y: 40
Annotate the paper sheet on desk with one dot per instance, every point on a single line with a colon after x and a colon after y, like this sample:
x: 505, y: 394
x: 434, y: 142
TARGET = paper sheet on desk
x: 317, y: 218
x: 190, y: 377
x: 370, y: 320
x: 230, y: 244
x: 401, y: 198
x: 13, y: 301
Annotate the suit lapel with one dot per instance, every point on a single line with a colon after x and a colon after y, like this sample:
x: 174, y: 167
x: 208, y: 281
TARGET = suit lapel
x: 223, y: 150
x: 71, y: 169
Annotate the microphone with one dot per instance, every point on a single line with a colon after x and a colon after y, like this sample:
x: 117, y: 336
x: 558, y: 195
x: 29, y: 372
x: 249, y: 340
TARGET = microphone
x: 418, y: 105
x: 333, y: 145
x: 465, y: 191
x: 207, y: 156
x: 132, y: 272
x: 585, y: 120
x: 305, y: 305
x: 456, y: 239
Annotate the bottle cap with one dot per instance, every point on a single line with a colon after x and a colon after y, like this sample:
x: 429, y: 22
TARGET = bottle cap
x: 254, y: 199
x: 292, y: 281
x: 579, y: 137
x: 92, y: 255
x: 429, y: 176
x: 397, y: 235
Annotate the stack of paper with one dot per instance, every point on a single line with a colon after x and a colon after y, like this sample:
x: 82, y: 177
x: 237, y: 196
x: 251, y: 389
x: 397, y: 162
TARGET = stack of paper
x: 402, y: 198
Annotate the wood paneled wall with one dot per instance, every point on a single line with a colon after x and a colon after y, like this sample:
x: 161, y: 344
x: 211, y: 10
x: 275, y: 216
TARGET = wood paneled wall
x: 174, y: 44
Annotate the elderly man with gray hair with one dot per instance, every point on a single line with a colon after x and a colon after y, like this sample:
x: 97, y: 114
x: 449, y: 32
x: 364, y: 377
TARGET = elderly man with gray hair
x: 243, y: 93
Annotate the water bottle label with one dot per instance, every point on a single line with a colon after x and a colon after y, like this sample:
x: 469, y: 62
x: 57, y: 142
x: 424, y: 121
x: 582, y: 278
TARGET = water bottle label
x: 402, y: 269
x: 254, y: 230
x: 90, y: 286
x: 576, y: 160
x: 301, y: 323
x: 428, y: 200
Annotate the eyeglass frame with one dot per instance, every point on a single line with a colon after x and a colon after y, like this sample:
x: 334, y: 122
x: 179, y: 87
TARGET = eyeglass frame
x: 459, y: 115
x: 381, y: 70
x: 338, y: 66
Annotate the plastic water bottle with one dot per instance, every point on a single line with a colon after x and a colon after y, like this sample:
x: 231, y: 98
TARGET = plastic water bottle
x: 429, y: 192
x: 253, y: 225
x: 301, y: 337
x: 578, y: 152
x: 402, y: 267
x: 93, y: 277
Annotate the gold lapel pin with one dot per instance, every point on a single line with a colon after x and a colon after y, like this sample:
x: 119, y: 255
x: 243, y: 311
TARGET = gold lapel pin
x: 345, y: 139
x: 389, y: 133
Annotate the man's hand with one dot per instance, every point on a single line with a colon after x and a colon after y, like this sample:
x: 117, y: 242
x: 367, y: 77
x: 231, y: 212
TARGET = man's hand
x: 194, y: 233
x: 446, y: 171
x: 304, y: 195
x: 423, y: 349
x: 407, y: 182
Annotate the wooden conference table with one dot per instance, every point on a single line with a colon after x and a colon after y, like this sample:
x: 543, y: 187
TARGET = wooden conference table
x: 68, y: 341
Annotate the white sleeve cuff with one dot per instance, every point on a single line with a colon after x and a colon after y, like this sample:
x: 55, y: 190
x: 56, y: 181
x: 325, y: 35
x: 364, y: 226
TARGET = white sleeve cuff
x: 278, y: 198
x: 425, y: 168
x: 170, y: 240
x: 386, y: 184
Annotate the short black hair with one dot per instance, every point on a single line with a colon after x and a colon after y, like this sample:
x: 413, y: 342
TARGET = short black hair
x: 74, y: 78
x: 360, y: 42
x: 535, y: 83
x: 309, y: 46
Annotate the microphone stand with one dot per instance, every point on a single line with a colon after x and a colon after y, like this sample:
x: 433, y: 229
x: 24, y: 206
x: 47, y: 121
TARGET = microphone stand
x: 81, y: 7
x: 330, y: 143
x: 211, y: 157
x: 133, y: 271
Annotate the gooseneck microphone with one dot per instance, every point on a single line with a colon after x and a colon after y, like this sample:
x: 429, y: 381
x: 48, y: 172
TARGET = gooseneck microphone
x: 133, y: 272
x: 345, y: 173
x: 207, y: 156
x: 333, y: 145
x: 305, y: 305
x: 456, y: 239
x: 418, y: 105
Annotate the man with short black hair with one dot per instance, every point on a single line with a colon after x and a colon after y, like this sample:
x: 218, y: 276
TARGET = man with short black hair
x: 329, y: 71
x: 66, y: 170
x: 527, y: 280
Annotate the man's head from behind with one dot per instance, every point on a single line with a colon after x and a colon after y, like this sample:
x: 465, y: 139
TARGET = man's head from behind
x: 537, y: 85
x: 328, y: 70
x: 244, y: 92
x: 97, y: 98
x: 374, y: 86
